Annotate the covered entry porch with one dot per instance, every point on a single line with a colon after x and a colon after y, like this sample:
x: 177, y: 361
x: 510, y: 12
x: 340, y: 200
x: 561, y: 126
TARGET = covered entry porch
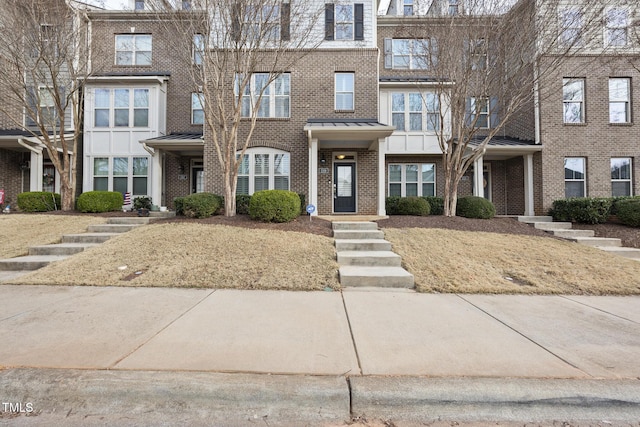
x: 347, y: 166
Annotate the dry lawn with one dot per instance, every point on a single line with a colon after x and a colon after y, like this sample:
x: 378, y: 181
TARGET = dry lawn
x: 19, y: 231
x: 452, y: 261
x: 202, y: 256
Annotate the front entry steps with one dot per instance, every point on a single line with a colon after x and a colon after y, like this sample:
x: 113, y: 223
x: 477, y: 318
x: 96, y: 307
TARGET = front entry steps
x: 366, y: 259
x: 584, y: 237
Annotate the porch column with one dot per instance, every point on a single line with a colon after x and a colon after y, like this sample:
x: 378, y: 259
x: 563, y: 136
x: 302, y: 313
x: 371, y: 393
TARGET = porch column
x: 313, y: 174
x: 156, y: 178
x: 35, y: 173
x: 382, y: 143
x: 478, y: 177
x: 529, y: 208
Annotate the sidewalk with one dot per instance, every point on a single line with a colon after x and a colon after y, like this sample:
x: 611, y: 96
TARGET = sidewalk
x: 320, y: 356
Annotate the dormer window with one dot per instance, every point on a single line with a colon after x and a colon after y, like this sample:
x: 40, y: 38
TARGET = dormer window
x: 408, y: 7
x: 454, y: 7
x: 344, y: 21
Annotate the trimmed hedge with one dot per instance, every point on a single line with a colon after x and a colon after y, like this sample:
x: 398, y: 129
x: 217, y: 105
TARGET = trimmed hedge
x: 475, y: 207
x: 628, y: 212
x: 201, y: 205
x: 616, y: 200
x: 242, y: 204
x: 99, y: 201
x: 39, y: 201
x: 413, y: 206
x: 436, y: 204
x: 391, y: 205
x: 274, y: 206
x: 178, y: 203
x: 587, y: 210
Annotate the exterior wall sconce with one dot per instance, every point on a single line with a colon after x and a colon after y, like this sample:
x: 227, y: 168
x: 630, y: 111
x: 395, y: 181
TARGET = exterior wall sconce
x: 323, y: 159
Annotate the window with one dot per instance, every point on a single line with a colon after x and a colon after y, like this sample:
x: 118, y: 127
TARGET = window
x: 121, y: 107
x: 478, y: 54
x: 198, y: 49
x: 619, y: 99
x: 570, y: 27
x: 415, y: 111
x: 616, y: 23
x: 408, y: 7
x: 407, y: 180
x: 344, y: 90
x: 410, y: 54
x: 262, y: 22
x: 186, y: 4
x: 275, y: 101
x: 139, y: 5
x: 48, y: 41
x: 621, y: 176
x: 47, y: 111
x: 344, y: 21
x: 573, y: 100
x: 133, y: 49
x: 123, y: 174
x: 574, y: 177
x: 482, y: 112
x: 263, y: 169
x: 454, y: 7
x: 197, y: 112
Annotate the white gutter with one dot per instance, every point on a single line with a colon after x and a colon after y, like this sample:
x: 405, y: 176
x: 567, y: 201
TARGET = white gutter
x: 148, y: 149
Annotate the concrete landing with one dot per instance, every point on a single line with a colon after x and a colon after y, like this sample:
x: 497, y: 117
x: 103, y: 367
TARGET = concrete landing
x: 393, y: 277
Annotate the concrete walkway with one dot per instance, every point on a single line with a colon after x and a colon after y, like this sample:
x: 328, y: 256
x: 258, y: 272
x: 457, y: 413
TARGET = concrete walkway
x: 86, y: 354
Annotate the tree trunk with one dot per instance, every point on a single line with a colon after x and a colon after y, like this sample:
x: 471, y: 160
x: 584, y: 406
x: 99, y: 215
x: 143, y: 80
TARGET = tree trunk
x: 229, y: 198
x: 67, y: 195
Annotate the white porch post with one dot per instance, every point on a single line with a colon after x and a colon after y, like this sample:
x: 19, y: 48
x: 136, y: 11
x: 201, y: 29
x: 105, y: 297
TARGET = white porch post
x: 381, y: 176
x: 35, y: 173
x: 478, y: 177
x: 529, y: 207
x: 156, y: 178
x: 313, y: 174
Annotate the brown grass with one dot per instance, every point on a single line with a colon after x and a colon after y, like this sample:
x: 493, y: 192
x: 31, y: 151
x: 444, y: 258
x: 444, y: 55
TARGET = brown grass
x: 19, y: 231
x: 455, y: 261
x: 203, y: 256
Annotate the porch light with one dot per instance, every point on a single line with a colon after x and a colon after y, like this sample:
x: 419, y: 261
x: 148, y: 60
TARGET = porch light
x: 340, y: 156
x: 323, y: 159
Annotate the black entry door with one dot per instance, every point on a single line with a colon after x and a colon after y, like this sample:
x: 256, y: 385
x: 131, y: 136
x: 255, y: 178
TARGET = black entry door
x: 197, y: 180
x: 344, y: 187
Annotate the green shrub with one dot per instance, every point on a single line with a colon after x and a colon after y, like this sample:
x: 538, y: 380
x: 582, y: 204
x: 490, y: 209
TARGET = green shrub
x: 201, y: 205
x: 436, y: 203
x: 242, y: 204
x: 629, y: 212
x: 391, y: 205
x: 475, y: 207
x: 178, y: 203
x: 99, y: 201
x: 142, y: 202
x: 587, y: 210
x: 40, y: 201
x: 274, y: 206
x: 413, y: 206
x: 616, y: 200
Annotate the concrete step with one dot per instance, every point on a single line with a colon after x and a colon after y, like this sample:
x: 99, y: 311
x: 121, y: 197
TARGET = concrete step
x: 547, y: 226
x: 632, y: 253
x: 354, y: 225
x: 358, y: 234
x: 369, y: 258
x: 30, y: 262
x: 362, y: 245
x: 596, y: 241
x: 160, y: 215
x: 573, y: 233
x: 128, y: 220
x: 534, y: 219
x: 391, y: 277
x: 60, y: 248
x: 88, y: 237
x: 111, y: 228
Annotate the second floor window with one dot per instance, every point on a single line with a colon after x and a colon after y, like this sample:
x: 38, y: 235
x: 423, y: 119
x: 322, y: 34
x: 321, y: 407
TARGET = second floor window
x: 198, y: 49
x: 344, y: 96
x: 264, y: 97
x: 47, y: 111
x: 121, y: 107
x: 619, y: 100
x: 410, y: 54
x: 197, y: 110
x: 478, y: 54
x: 344, y: 21
x: 571, y: 23
x: 616, y: 22
x: 415, y: 111
x: 573, y: 100
x: 482, y: 112
x: 133, y: 49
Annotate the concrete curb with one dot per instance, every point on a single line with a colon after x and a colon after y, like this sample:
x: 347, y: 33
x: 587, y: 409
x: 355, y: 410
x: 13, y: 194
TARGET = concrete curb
x: 494, y: 399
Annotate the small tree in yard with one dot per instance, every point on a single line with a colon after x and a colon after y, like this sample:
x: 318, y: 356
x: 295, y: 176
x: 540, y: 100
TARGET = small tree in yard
x: 43, y: 62
x: 486, y: 63
x: 234, y: 51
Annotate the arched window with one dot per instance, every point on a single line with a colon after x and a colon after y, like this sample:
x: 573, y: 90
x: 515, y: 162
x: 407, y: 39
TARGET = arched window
x: 264, y: 169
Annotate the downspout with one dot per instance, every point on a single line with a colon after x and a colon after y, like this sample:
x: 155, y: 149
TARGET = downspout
x: 536, y: 101
x: 148, y: 149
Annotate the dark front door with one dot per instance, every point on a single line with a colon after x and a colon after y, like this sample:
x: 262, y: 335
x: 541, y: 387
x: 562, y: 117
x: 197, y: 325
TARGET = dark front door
x: 344, y: 187
x: 197, y: 180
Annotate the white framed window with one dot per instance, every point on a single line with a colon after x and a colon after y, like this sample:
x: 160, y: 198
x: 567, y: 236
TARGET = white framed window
x: 198, y: 49
x: 121, y: 107
x: 619, y: 100
x: 263, y: 169
x: 121, y: 173
x: 406, y: 180
x: 344, y: 91
x: 138, y: 5
x: 271, y: 99
x: 197, y: 110
x: 454, y: 7
x: 571, y: 26
x: 344, y: 21
x: 408, y: 7
x: 262, y: 22
x: 133, y: 49
x: 575, y: 174
x: 478, y: 54
x: 621, y: 176
x: 47, y: 113
x: 478, y: 112
x: 573, y: 100
x: 616, y: 24
x: 413, y: 54
x: 415, y: 111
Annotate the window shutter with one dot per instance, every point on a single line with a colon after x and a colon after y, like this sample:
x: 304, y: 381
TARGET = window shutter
x: 285, y: 22
x: 494, y: 110
x: 31, y: 102
x: 328, y: 21
x: 388, y: 53
x: 359, y: 18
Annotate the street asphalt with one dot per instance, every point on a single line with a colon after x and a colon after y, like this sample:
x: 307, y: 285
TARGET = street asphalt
x: 164, y: 356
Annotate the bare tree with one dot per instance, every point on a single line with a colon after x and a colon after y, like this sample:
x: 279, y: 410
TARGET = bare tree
x: 487, y: 62
x: 43, y: 63
x: 235, y: 51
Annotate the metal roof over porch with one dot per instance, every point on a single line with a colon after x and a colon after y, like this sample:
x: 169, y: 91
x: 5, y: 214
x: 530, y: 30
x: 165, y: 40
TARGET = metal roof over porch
x: 348, y: 133
x: 183, y: 144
